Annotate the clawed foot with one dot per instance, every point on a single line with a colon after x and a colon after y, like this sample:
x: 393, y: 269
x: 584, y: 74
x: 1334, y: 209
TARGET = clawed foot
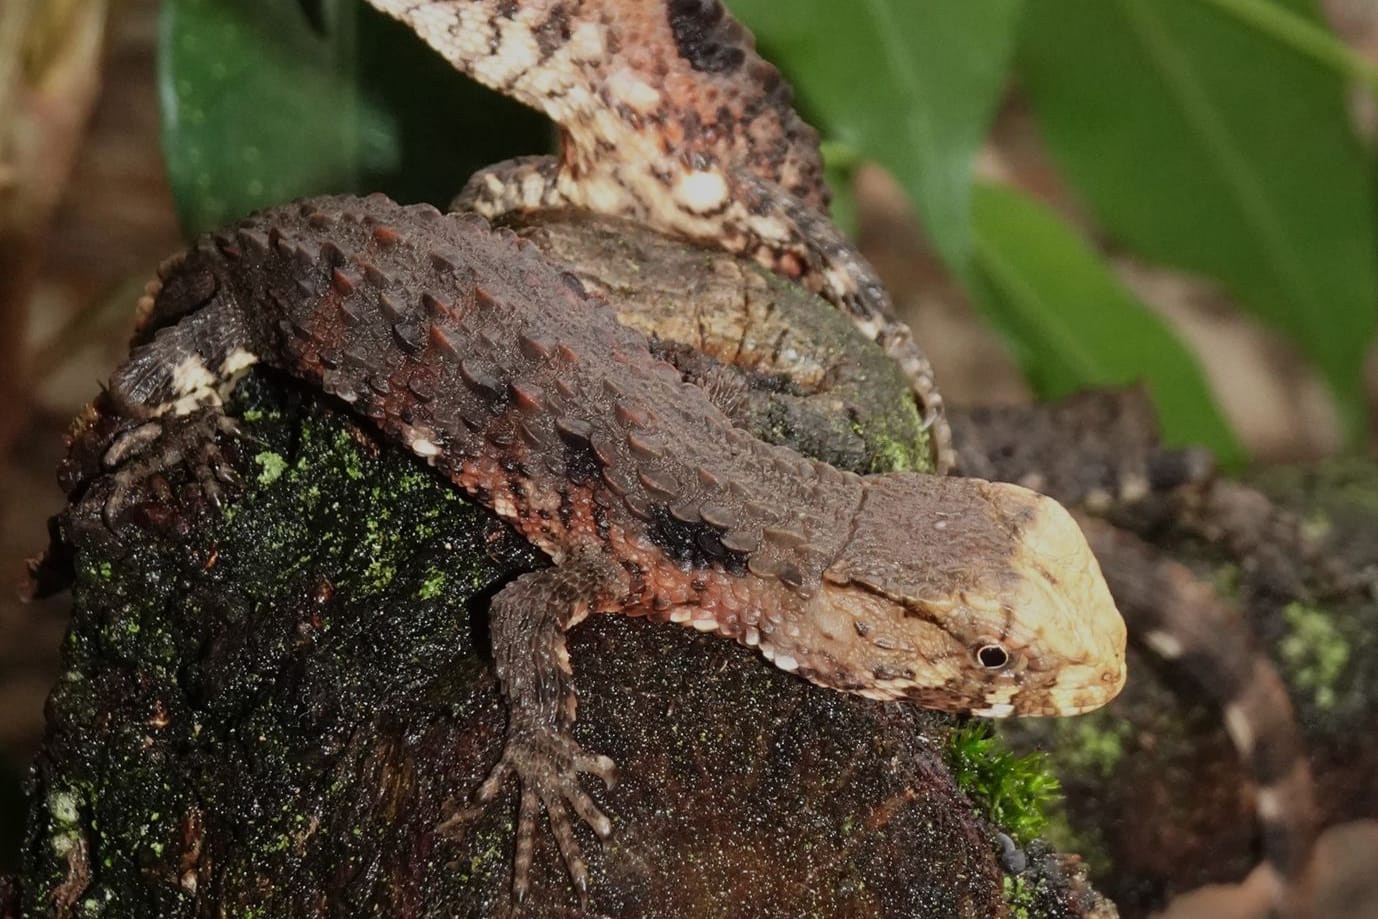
x: 547, y: 766
x: 164, y: 443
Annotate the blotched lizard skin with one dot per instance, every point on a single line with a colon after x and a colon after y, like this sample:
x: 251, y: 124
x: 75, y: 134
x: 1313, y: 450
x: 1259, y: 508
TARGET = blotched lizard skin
x: 498, y: 369
x: 667, y: 116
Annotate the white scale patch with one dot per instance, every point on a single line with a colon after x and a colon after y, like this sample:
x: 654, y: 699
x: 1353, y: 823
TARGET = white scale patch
x: 586, y: 43
x: 868, y: 327
x: 627, y: 87
x: 701, y: 191
x: 190, y: 403
x: 191, y: 376
x: 839, y: 280
x: 238, y: 360
x: 424, y: 448
x: 603, y: 194
x: 533, y: 190
x: 998, y: 703
x: 771, y: 229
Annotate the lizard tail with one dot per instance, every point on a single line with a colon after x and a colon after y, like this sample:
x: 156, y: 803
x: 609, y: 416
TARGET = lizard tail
x: 808, y: 246
x: 1181, y: 618
x: 182, y: 353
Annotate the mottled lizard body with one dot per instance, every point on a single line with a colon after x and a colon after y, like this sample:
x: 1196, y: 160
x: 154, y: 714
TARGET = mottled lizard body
x: 668, y: 117
x: 495, y: 366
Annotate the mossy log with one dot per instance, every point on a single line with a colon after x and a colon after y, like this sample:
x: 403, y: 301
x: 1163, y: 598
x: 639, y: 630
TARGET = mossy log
x: 267, y: 709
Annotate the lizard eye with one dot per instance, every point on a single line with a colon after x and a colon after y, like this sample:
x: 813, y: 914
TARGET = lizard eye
x: 991, y: 656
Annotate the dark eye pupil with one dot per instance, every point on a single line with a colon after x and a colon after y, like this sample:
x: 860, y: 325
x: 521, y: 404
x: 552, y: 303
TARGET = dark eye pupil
x: 992, y: 657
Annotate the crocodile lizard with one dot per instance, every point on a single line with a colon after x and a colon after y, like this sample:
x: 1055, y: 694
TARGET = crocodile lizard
x: 497, y: 368
x: 667, y: 116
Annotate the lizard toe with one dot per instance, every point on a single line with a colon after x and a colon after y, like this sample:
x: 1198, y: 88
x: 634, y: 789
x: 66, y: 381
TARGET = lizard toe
x: 142, y: 453
x: 548, y: 766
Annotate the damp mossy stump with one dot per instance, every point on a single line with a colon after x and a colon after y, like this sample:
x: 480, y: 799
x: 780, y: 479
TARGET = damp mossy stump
x: 267, y: 708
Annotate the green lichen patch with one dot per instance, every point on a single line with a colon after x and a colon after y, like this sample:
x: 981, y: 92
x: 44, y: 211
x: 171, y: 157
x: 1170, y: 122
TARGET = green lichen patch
x: 1314, y: 652
x: 271, y: 466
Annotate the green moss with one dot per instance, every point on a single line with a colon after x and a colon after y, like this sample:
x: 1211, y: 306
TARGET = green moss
x: 433, y: 585
x: 896, y: 454
x: 1014, y: 791
x: 272, y: 466
x: 1019, y: 897
x: 344, y: 442
x: 1314, y: 653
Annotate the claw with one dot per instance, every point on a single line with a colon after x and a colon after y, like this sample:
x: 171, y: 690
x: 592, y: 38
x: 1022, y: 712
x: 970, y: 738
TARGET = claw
x: 142, y: 452
x: 131, y: 443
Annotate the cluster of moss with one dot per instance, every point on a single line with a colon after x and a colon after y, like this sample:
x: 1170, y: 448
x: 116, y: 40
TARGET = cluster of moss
x: 1015, y: 791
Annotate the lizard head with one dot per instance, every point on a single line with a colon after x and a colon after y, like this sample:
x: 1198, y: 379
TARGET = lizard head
x: 969, y: 596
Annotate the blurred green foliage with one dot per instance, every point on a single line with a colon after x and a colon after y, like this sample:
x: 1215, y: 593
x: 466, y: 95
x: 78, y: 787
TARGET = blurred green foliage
x: 261, y: 105
x: 1210, y: 136
x: 1201, y: 143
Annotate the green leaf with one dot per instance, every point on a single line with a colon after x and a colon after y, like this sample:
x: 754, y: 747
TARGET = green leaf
x: 1073, y: 325
x: 1205, y: 144
x: 257, y: 109
x: 260, y: 107
x: 912, y: 85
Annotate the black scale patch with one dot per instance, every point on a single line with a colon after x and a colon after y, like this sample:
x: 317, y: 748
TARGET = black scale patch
x: 692, y: 545
x: 695, y: 25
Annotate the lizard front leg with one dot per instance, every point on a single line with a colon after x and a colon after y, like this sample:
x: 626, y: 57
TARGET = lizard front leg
x: 528, y: 620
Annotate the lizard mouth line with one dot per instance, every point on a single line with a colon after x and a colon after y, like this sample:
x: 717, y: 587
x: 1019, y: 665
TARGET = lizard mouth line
x: 1079, y: 689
